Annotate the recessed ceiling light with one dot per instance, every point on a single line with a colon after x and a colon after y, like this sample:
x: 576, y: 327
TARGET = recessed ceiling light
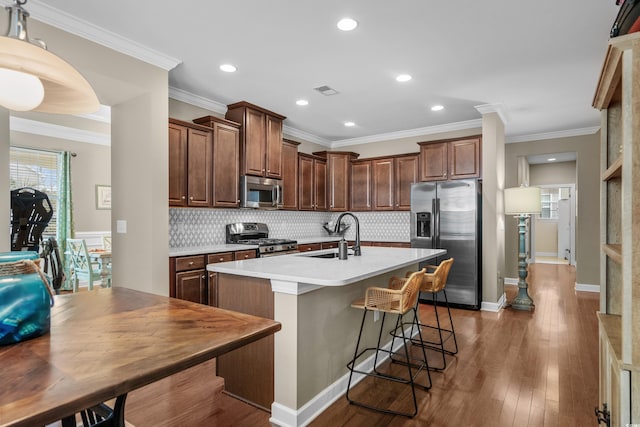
x: 228, y: 68
x: 349, y: 124
x: 551, y: 159
x: 437, y: 108
x: 302, y: 102
x: 403, y: 78
x: 347, y: 24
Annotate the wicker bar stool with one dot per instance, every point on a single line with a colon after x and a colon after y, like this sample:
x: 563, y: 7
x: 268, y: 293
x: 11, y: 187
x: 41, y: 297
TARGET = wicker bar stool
x: 433, y: 283
x: 390, y: 301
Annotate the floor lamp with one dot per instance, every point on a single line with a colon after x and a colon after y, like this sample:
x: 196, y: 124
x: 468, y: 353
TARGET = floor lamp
x: 522, y: 202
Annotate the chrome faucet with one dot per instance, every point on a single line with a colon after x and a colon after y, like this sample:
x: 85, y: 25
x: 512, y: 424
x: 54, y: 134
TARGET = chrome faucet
x: 356, y: 246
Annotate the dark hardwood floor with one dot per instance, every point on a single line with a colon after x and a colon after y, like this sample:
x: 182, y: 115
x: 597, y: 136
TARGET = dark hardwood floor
x: 513, y: 369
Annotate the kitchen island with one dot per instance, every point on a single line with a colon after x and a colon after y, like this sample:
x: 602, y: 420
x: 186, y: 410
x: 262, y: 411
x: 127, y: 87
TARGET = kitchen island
x: 301, y: 370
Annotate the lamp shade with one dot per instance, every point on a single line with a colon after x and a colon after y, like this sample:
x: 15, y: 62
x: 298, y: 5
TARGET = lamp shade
x: 66, y: 91
x: 522, y: 200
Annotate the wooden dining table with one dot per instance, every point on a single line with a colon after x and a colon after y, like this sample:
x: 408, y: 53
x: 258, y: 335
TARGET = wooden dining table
x: 108, y: 342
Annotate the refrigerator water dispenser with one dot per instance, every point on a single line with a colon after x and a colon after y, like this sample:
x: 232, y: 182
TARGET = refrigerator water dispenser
x: 423, y: 224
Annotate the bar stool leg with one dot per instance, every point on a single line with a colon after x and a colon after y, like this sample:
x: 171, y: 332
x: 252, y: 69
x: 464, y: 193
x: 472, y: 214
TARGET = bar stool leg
x: 351, y: 365
x: 453, y: 331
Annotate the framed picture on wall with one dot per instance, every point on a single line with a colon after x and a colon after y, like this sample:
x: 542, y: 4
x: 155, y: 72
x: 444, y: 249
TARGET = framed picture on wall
x: 103, y: 196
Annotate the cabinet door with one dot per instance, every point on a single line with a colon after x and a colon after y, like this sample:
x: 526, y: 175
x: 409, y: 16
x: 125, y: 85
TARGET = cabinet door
x: 338, y: 182
x: 273, y: 147
x: 212, y: 289
x: 434, y: 161
x: 382, y: 184
x: 289, y: 176
x: 226, y: 166
x: 320, y: 184
x: 361, y: 186
x: 406, y: 173
x: 464, y: 158
x: 199, y: 168
x: 191, y: 286
x: 254, y: 143
x: 308, y: 247
x: 306, y: 187
x: 177, y: 165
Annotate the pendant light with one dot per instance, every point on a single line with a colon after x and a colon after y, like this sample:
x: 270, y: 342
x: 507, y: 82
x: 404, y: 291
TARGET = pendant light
x: 34, y: 79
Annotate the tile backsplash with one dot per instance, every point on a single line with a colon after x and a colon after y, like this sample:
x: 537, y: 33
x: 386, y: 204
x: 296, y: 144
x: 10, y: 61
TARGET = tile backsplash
x: 194, y: 227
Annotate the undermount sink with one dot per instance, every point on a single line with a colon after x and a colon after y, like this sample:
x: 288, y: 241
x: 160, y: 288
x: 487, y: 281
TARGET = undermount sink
x: 325, y: 255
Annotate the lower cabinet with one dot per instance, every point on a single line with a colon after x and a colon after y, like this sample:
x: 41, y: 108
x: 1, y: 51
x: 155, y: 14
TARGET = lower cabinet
x: 190, y: 280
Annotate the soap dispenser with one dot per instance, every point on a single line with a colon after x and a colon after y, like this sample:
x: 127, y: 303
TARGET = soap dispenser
x: 342, y: 249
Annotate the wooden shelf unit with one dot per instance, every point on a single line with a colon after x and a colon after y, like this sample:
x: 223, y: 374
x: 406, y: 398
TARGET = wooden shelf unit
x: 618, y: 98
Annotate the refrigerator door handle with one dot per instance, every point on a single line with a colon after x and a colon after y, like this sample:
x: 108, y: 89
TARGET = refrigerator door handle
x: 433, y: 224
x: 437, y: 221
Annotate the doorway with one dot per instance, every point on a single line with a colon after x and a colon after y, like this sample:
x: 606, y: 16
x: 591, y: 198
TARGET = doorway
x: 554, y: 228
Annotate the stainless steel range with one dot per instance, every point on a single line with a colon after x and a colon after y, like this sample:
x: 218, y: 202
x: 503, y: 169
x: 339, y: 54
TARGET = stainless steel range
x: 257, y: 233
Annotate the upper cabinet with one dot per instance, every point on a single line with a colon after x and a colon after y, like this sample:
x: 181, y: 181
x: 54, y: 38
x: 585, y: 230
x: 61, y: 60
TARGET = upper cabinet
x: 383, y: 184
x: 260, y: 139
x: 450, y: 159
x: 290, y: 174
x: 190, y: 164
x: 312, y: 183
x: 226, y: 160
x: 338, y: 178
x: 618, y: 98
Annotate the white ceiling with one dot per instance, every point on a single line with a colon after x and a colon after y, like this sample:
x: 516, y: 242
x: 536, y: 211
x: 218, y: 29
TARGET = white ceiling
x: 538, y: 61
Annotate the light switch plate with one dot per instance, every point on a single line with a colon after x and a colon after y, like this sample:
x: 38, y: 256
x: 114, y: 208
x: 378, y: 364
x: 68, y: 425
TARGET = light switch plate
x: 121, y: 226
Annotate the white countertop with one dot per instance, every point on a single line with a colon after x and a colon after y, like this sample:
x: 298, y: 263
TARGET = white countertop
x: 200, y: 250
x: 301, y: 268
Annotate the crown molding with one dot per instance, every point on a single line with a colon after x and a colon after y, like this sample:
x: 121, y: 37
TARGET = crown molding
x: 430, y: 130
x: 42, y: 12
x: 552, y: 135
x: 497, y: 108
x: 197, y: 100
x: 19, y: 124
x: 306, y: 136
x: 102, y: 115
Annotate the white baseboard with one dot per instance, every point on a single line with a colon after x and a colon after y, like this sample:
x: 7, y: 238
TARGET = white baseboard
x: 587, y: 288
x: 284, y: 416
x: 510, y: 281
x: 494, y: 306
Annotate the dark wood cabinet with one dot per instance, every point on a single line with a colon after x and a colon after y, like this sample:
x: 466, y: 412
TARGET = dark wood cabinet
x: 290, y: 174
x: 384, y: 181
x: 338, y: 178
x: 361, y: 185
x: 407, y: 172
x: 450, y: 159
x: 190, y: 164
x: 260, y: 139
x: 383, y: 184
x: 308, y: 247
x: 226, y: 160
x: 189, y: 279
x: 312, y: 176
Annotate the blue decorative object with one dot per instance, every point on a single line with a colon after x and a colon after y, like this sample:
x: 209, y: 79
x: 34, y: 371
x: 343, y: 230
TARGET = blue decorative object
x: 25, y: 298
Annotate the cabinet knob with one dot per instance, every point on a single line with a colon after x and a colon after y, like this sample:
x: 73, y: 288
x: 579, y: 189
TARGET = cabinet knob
x: 191, y: 198
x: 203, y: 276
x: 308, y: 249
x: 183, y: 197
x: 246, y: 257
x: 221, y: 259
x: 191, y: 263
x: 238, y: 201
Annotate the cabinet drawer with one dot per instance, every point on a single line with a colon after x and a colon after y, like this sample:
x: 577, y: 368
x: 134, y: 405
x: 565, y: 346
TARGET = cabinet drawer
x: 309, y: 247
x: 189, y: 263
x: 248, y: 254
x: 219, y: 257
x: 329, y: 245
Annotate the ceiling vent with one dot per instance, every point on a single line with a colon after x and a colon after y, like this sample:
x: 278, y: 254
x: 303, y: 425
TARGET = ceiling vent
x: 326, y: 90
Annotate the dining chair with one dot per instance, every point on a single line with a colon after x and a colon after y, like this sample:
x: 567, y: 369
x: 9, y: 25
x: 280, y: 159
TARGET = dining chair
x: 83, y: 267
x: 106, y: 243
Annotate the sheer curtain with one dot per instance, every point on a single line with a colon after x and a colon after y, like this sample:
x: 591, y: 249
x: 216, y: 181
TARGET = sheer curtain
x: 64, y: 230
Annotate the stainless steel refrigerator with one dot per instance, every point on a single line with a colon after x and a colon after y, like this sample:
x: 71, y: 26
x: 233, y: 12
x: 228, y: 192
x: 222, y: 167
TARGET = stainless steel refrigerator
x: 448, y: 215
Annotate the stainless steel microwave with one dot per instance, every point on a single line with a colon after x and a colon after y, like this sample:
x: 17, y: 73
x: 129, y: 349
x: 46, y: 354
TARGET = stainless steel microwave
x: 260, y: 193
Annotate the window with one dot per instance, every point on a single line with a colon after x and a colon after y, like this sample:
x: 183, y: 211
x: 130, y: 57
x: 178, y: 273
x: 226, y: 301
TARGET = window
x: 549, y: 200
x: 36, y: 169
